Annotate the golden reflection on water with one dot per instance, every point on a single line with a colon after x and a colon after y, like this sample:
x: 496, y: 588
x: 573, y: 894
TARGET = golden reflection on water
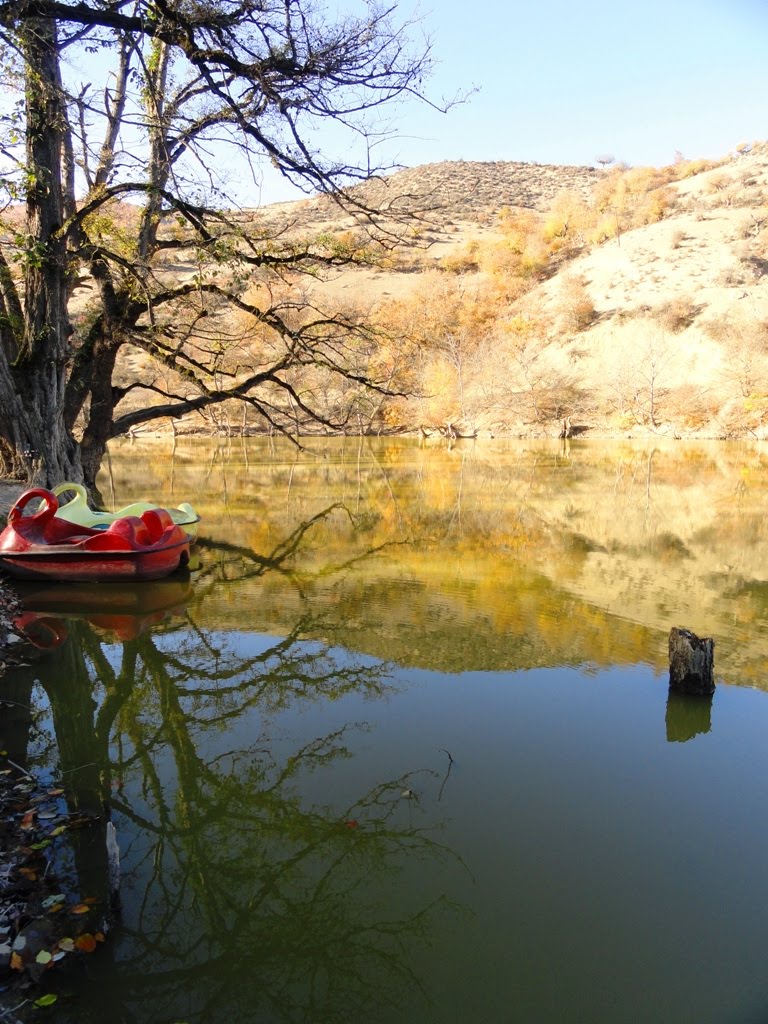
x: 489, y: 555
x: 296, y: 843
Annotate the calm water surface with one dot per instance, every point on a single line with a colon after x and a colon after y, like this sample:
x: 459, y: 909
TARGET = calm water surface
x: 401, y: 748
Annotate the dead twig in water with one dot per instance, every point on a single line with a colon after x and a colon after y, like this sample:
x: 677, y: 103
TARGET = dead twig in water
x: 450, y: 765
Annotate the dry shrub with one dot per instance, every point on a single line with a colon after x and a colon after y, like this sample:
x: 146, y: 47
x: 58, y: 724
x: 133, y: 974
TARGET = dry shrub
x: 519, y: 226
x: 718, y: 183
x: 752, y: 227
x: 463, y: 261
x: 690, y: 168
x: 603, y: 230
x: 566, y: 221
x: 695, y: 407
x: 530, y: 381
x: 626, y: 199
x: 744, y: 415
x: 640, y: 371
x: 577, y: 310
x: 718, y: 329
x: 677, y: 314
x: 744, y: 340
x: 734, y: 276
x: 747, y: 198
x: 677, y: 239
x: 534, y: 259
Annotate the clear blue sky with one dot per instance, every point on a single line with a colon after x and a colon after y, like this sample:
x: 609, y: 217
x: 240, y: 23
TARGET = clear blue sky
x: 560, y: 81
x: 563, y: 80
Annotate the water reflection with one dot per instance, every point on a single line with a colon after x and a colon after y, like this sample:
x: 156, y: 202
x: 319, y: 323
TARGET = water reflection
x: 277, y: 750
x: 688, y: 716
x: 259, y: 868
x: 496, y: 554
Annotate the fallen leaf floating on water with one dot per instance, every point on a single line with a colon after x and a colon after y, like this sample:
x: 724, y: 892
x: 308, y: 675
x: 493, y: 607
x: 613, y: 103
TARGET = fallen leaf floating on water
x: 43, y: 957
x: 80, y: 908
x: 85, y: 942
x: 51, y: 901
x: 28, y: 820
x: 17, y: 963
x: 67, y: 945
x: 47, y: 1000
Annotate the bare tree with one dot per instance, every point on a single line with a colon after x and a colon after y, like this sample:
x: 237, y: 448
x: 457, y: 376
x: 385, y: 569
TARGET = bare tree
x: 149, y: 104
x: 641, y: 378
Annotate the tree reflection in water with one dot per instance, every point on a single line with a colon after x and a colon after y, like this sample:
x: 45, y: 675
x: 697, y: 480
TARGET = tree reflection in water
x: 243, y: 899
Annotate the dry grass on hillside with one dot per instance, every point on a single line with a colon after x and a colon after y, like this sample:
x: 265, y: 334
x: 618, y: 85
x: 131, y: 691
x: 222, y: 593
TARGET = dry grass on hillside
x: 638, y: 306
x: 629, y: 300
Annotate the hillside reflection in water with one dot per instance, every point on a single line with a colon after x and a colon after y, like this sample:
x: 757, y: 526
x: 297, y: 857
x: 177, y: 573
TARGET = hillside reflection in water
x: 401, y: 747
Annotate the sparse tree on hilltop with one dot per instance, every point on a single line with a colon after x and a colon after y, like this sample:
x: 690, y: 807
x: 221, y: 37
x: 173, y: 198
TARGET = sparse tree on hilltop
x: 605, y: 159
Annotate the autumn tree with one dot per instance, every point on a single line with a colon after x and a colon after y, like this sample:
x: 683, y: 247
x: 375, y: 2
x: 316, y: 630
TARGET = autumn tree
x: 142, y: 111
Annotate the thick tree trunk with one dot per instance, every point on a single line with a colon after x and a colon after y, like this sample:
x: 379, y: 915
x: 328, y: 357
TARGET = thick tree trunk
x: 100, y: 426
x: 37, y: 444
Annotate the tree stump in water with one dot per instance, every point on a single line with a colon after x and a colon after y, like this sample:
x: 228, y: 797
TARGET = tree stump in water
x: 691, y: 662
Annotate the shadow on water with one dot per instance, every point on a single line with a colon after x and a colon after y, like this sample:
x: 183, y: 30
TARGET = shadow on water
x: 258, y: 875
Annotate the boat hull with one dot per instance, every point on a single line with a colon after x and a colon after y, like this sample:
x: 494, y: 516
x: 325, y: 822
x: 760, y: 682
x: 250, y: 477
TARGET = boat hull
x: 95, y: 566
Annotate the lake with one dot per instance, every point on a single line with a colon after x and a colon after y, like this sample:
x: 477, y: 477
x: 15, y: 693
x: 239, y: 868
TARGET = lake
x: 400, y: 748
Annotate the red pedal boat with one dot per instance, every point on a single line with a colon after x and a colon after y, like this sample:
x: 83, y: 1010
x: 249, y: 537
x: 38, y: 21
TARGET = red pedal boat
x: 42, y: 546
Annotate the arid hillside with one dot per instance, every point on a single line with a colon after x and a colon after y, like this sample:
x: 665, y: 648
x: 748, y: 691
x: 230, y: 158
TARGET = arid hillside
x: 527, y: 299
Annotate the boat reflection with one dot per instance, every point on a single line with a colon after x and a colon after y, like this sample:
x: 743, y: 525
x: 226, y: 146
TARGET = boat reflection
x: 123, y: 609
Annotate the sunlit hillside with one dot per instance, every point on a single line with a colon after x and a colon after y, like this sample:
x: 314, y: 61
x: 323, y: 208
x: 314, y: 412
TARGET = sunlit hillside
x: 524, y: 299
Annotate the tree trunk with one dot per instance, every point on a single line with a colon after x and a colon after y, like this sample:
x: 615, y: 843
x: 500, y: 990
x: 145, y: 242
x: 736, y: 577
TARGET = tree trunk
x: 99, y: 427
x: 32, y: 388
